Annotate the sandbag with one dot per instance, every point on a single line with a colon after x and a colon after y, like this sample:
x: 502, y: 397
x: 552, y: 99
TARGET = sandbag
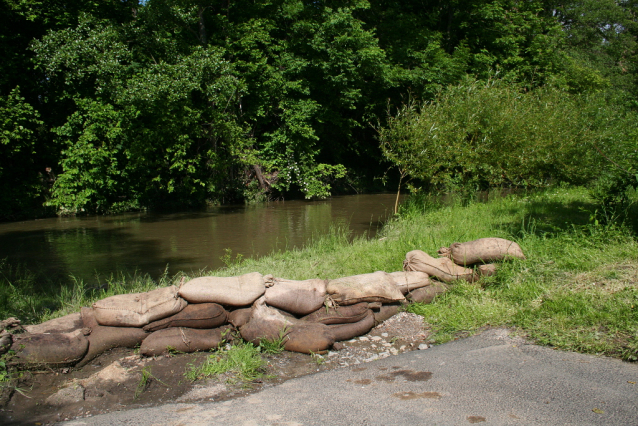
x: 6, y: 340
x: 65, y: 324
x: 410, y: 280
x: 309, y: 338
x: 182, y: 339
x: 385, y: 312
x: 487, y: 270
x: 199, y: 315
x: 265, y: 323
x: 230, y: 291
x: 297, y: 297
x: 352, y: 330
x: 138, y: 309
x: 427, y: 294
x: 103, y: 338
x: 442, y: 268
x: 51, y: 350
x: 483, y: 250
x: 239, y: 317
x: 375, y: 287
x: 339, y: 314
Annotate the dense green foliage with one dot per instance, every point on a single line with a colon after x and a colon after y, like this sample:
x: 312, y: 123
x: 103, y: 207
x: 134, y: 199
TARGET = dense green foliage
x: 114, y: 105
x: 478, y: 135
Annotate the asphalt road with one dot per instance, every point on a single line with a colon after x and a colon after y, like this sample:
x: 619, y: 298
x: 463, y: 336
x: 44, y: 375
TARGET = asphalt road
x: 491, y: 379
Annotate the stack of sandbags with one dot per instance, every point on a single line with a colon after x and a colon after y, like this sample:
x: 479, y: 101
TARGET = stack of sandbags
x: 464, y: 261
x: 307, y: 316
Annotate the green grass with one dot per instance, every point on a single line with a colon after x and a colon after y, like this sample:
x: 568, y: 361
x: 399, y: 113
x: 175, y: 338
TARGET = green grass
x: 274, y: 346
x: 577, y: 290
x: 145, y: 381
x: 242, y: 360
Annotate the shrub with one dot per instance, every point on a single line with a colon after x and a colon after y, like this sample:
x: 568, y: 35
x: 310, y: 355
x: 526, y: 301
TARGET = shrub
x: 478, y: 135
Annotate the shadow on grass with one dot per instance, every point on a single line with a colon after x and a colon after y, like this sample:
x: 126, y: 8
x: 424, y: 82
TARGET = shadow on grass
x: 547, y: 219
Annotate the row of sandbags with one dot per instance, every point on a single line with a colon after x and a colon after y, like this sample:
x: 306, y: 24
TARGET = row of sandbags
x: 206, y: 312
x: 456, y: 261
x: 311, y: 315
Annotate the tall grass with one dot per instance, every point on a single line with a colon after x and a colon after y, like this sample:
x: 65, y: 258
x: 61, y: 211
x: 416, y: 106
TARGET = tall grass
x: 577, y: 290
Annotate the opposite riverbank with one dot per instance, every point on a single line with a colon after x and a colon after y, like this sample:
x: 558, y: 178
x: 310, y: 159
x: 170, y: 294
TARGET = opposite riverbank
x: 577, y: 290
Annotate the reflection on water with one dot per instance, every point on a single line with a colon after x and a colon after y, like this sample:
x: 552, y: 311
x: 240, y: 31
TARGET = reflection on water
x: 148, y: 242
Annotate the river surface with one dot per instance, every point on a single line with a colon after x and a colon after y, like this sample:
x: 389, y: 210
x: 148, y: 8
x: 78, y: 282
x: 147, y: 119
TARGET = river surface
x: 191, y: 241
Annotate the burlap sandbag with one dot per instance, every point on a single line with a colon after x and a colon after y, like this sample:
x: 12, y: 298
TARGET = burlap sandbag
x: 427, y: 294
x: 297, y: 297
x: 239, y: 317
x: 483, y: 250
x: 48, y: 350
x: 230, y: 291
x: 375, y: 287
x: 182, y: 339
x: 103, y: 338
x: 6, y: 340
x: 487, y: 270
x: 339, y: 314
x: 385, y: 312
x: 309, y: 338
x: 352, y: 330
x: 65, y: 324
x: 265, y: 323
x: 197, y: 315
x: 410, y: 280
x: 442, y: 268
x: 138, y: 309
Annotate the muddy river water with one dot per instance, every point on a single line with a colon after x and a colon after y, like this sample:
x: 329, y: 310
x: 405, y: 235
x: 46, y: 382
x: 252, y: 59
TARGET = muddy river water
x: 188, y: 241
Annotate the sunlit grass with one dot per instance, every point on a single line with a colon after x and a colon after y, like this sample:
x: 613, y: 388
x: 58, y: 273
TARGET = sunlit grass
x: 242, y: 360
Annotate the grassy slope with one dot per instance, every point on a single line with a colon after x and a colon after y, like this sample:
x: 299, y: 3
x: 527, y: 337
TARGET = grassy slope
x: 577, y: 290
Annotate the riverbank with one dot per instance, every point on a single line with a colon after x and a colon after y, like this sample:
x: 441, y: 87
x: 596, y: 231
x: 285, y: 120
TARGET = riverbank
x: 577, y: 290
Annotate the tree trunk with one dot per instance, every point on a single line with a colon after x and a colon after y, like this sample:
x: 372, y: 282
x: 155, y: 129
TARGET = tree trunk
x: 260, y: 176
x: 202, y: 27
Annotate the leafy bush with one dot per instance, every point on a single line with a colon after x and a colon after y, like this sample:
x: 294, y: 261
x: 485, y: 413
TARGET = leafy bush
x: 483, y: 134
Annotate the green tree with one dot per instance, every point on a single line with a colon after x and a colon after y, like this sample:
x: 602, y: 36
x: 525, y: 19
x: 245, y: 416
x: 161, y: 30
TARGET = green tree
x: 20, y: 183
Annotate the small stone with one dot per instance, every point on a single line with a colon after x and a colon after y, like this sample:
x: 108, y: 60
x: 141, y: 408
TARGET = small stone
x: 384, y: 334
x: 372, y: 358
x: 373, y: 346
x: 331, y: 353
x: 338, y: 346
x: 364, y: 339
x: 68, y: 395
x: 423, y: 346
x: 376, y: 338
x: 402, y: 348
x: 384, y: 354
x: 386, y: 344
x: 393, y: 351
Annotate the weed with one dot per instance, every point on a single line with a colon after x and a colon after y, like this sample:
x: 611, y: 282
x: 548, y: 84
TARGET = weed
x: 317, y: 358
x: 275, y: 346
x: 145, y: 381
x: 6, y: 375
x: 172, y: 351
x: 228, y: 260
x: 243, y: 360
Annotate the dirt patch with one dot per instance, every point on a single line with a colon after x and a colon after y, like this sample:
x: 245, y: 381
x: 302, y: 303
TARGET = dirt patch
x: 607, y: 278
x: 120, y: 379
